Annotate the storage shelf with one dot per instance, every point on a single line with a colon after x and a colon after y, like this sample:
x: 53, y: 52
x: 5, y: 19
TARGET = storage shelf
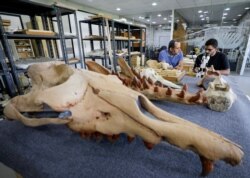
x: 119, y: 33
x: 24, y: 36
x: 31, y: 8
x: 48, y: 15
x: 70, y: 37
x: 116, y: 39
x: 116, y: 55
x: 24, y: 51
x: 22, y: 45
x: 98, y: 21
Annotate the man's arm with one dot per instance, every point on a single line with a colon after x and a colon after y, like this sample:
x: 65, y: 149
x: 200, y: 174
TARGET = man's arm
x: 224, y: 72
x: 225, y: 65
x: 161, y: 57
x: 180, y: 65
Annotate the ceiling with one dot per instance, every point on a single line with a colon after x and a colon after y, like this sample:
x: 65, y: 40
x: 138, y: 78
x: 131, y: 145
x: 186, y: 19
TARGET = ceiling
x: 143, y: 10
x: 214, y: 13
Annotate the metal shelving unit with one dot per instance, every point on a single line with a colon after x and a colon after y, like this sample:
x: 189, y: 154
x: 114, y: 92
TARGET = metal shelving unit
x: 48, y: 14
x: 6, y: 76
x: 115, y: 28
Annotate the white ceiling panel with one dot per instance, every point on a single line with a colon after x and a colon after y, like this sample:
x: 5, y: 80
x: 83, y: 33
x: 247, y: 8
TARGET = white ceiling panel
x: 187, y: 8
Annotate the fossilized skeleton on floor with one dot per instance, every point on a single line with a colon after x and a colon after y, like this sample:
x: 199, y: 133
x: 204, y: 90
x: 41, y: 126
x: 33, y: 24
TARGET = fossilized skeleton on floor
x: 156, y: 90
x: 97, y: 104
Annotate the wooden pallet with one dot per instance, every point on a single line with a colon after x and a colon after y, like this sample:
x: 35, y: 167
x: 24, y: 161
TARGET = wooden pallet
x: 176, y: 78
x: 171, y: 75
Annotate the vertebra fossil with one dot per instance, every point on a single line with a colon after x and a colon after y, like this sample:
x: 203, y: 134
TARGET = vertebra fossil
x: 216, y: 99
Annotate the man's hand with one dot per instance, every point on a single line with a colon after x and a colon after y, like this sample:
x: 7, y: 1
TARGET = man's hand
x: 180, y: 65
x: 221, y: 72
x: 224, y: 72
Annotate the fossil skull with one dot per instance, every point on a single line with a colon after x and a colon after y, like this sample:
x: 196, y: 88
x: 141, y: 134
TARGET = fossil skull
x: 97, y: 104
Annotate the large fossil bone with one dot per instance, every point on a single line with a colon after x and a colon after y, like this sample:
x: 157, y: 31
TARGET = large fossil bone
x: 146, y: 86
x: 218, y: 97
x: 100, y: 105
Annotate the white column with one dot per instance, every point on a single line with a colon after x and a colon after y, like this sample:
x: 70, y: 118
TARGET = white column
x: 247, y: 54
x: 172, y: 25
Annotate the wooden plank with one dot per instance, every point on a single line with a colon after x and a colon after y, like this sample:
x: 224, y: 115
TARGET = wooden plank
x: 36, y: 32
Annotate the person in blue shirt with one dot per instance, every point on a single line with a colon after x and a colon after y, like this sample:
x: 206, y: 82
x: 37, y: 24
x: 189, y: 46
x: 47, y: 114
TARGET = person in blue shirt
x: 173, y: 56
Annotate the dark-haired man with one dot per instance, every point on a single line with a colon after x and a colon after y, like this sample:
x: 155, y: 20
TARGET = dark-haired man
x: 217, y: 58
x: 173, y: 56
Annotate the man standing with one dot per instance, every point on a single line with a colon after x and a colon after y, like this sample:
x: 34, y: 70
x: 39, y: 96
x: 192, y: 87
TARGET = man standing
x: 217, y: 58
x: 173, y: 56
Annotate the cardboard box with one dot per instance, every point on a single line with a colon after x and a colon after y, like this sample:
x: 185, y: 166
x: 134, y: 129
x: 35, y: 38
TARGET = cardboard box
x: 135, y: 61
x: 6, y: 22
x: 137, y: 44
x: 136, y: 33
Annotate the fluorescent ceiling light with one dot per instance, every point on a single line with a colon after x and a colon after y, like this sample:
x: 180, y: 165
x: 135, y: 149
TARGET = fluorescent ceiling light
x: 223, y: 17
x: 224, y: 13
x: 239, y: 15
x: 202, y: 19
x: 200, y: 11
x: 234, y: 19
x: 148, y: 20
x: 153, y: 22
x: 247, y: 8
x: 118, y: 9
x: 159, y: 15
x: 160, y: 25
x: 165, y: 18
x: 205, y: 12
x: 227, y: 9
x: 201, y: 15
x: 170, y: 21
x: 154, y: 4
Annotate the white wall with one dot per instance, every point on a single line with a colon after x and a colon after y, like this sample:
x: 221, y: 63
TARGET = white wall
x: 85, y: 31
x: 157, y: 37
x: 161, y: 37
x: 14, y: 26
x: 15, y: 22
